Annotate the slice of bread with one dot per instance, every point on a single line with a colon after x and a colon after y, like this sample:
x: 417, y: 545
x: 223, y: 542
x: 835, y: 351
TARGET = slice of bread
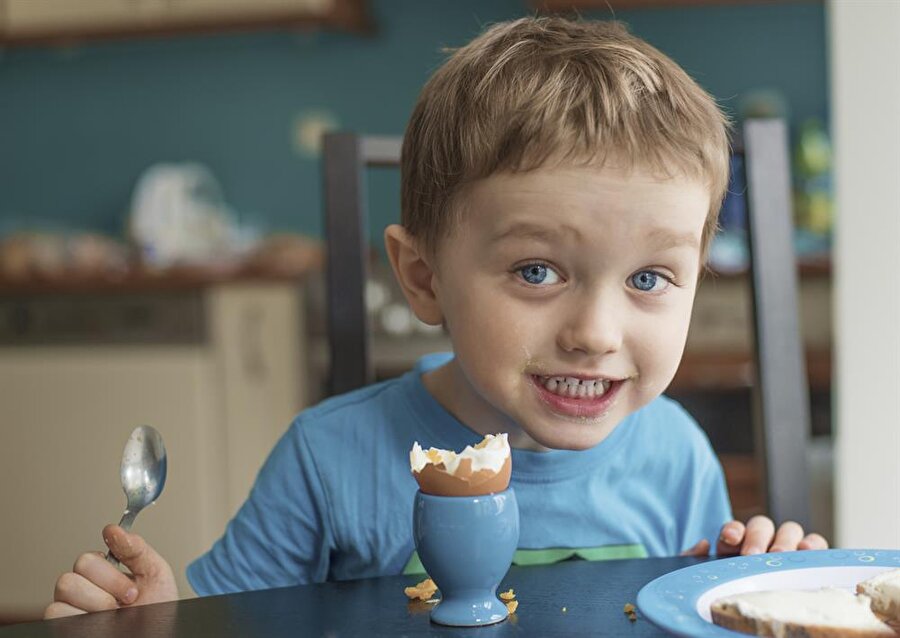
x: 884, y: 590
x: 822, y: 613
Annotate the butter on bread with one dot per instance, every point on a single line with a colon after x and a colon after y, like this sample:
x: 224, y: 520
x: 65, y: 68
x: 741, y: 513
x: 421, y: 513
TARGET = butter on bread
x: 822, y: 613
x: 884, y: 591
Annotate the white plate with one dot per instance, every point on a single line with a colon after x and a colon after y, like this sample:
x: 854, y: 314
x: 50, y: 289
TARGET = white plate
x: 679, y: 602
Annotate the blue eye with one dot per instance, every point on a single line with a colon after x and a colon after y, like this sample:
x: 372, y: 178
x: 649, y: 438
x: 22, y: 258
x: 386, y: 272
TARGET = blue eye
x: 538, y: 274
x: 649, y: 281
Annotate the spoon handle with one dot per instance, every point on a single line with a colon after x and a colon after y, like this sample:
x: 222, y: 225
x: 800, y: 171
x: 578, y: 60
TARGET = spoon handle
x: 125, y: 523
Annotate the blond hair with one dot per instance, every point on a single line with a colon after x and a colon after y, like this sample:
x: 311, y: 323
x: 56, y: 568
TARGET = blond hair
x: 538, y: 90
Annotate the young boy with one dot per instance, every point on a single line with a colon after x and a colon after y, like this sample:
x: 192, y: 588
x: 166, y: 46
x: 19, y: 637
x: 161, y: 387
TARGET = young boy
x: 561, y: 182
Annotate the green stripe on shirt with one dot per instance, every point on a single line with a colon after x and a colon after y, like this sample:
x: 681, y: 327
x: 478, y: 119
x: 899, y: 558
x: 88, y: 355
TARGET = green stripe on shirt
x: 529, y: 557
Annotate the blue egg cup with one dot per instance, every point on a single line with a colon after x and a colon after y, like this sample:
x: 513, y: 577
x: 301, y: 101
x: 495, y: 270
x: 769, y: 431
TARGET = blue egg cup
x: 466, y: 544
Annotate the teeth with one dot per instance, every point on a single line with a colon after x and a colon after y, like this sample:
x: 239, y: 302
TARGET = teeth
x: 573, y: 387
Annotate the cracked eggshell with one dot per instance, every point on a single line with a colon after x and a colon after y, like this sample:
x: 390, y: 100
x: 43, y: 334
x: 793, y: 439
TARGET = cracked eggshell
x: 435, y: 480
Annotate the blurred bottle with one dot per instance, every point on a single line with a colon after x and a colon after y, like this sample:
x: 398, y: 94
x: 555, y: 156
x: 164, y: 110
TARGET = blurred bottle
x: 813, y: 201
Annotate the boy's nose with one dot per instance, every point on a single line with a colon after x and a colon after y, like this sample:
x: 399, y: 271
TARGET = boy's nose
x: 592, y: 329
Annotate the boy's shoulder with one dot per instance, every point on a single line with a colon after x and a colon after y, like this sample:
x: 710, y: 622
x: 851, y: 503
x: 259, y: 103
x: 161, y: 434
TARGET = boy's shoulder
x: 363, y: 408
x: 388, y: 407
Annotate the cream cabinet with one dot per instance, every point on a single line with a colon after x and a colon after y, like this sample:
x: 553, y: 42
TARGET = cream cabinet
x: 221, y: 399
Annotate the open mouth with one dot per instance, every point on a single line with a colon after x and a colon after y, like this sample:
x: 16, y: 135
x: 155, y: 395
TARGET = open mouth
x: 576, y: 388
x: 572, y: 396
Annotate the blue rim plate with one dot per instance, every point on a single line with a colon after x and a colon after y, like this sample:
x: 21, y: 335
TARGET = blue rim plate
x: 679, y: 601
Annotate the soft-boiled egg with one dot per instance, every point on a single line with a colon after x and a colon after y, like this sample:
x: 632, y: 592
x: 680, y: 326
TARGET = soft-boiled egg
x: 482, y: 469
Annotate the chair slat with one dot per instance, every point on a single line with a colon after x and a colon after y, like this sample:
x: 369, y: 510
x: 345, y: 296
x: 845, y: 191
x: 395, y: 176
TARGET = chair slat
x: 781, y: 391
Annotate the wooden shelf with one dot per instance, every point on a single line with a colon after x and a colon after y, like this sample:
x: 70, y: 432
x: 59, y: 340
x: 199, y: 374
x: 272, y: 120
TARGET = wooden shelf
x: 571, y: 6
x: 345, y: 15
x: 144, y: 280
x: 724, y: 371
x: 699, y: 372
x: 807, y: 269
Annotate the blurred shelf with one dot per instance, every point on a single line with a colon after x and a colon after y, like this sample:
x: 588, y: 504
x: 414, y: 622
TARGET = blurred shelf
x: 723, y: 370
x: 806, y: 269
x: 699, y: 371
x: 64, y: 22
x: 143, y: 280
x: 565, y: 6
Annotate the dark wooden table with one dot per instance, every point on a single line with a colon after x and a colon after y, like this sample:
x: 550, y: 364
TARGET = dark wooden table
x: 592, y: 593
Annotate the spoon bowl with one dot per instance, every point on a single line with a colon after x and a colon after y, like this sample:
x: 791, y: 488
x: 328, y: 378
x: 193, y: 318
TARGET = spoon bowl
x: 143, y: 474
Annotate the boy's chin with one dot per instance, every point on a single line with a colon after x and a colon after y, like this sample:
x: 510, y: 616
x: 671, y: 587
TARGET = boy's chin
x: 574, y: 436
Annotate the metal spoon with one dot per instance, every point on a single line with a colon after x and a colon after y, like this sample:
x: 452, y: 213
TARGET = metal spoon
x: 143, y: 474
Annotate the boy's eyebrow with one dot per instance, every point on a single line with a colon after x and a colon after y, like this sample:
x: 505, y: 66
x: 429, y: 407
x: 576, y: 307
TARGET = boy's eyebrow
x: 534, y: 231
x: 664, y: 238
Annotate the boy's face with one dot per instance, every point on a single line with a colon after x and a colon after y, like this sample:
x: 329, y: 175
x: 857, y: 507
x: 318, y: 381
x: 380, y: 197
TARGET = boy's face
x: 567, y: 293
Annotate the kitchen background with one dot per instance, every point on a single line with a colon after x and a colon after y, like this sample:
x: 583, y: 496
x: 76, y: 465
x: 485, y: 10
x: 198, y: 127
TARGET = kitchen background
x: 82, y: 122
x: 160, y: 218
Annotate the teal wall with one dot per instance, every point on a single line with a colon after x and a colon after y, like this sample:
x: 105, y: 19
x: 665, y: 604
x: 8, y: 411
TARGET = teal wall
x: 78, y: 125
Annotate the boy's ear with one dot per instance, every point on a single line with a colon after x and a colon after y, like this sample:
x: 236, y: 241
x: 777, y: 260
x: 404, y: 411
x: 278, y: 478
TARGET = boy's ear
x: 414, y: 272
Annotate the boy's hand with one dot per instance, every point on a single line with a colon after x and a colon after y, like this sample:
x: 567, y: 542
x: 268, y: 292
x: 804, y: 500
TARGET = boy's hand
x: 757, y: 537
x: 95, y: 585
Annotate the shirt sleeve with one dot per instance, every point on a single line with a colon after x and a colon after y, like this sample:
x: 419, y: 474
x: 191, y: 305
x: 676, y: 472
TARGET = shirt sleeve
x: 280, y: 536
x: 707, y: 507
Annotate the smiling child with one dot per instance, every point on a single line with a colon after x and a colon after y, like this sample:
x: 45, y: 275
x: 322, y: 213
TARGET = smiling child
x: 561, y: 182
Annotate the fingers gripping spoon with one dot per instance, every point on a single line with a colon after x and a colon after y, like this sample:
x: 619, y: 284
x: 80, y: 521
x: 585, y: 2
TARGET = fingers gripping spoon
x: 143, y: 474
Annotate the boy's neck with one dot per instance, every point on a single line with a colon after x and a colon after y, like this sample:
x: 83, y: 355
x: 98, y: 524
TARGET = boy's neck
x: 449, y: 387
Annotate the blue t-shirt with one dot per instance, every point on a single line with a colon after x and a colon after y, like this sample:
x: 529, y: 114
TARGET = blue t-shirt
x: 334, y: 499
